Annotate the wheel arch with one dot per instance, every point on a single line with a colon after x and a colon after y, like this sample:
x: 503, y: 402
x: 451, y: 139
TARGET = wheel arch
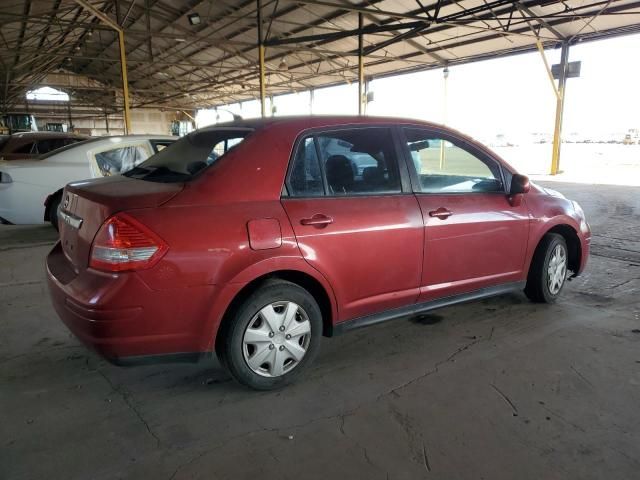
x: 48, y: 202
x: 320, y: 292
x: 574, y: 247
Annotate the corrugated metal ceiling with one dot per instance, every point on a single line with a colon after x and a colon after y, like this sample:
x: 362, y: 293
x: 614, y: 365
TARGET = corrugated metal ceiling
x: 309, y: 43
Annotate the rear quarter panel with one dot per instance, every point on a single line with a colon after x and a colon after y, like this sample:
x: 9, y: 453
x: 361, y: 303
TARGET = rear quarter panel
x: 209, y: 245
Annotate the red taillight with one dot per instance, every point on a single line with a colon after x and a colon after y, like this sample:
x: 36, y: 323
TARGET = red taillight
x: 123, y: 243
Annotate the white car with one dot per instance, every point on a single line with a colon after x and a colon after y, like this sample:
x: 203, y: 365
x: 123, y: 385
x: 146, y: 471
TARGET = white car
x: 30, y: 190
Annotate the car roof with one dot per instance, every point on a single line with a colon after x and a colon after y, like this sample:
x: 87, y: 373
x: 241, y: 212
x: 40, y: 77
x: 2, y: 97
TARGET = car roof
x: 45, y: 135
x: 309, y: 121
x: 112, y: 138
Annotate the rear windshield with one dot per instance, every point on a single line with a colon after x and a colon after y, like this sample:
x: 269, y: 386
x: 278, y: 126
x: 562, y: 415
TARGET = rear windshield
x: 190, y: 155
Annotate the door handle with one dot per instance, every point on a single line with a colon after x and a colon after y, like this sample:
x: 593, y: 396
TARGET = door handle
x: 318, y: 220
x: 441, y: 213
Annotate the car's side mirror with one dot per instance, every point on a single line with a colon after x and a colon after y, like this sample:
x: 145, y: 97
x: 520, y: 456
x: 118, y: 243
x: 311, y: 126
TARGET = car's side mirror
x: 519, y: 184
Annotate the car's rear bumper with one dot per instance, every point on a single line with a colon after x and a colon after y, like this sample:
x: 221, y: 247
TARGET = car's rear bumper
x: 123, y: 319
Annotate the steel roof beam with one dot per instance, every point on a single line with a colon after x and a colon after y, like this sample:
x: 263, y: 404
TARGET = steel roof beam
x: 456, y: 44
x: 332, y: 37
x: 541, y: 21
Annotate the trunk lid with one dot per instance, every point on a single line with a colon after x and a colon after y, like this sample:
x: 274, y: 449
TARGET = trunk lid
x: 86, y: 205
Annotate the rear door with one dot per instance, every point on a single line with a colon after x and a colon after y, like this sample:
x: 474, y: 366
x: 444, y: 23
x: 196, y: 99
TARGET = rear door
x: 474, y: 236
x: 355, y: 218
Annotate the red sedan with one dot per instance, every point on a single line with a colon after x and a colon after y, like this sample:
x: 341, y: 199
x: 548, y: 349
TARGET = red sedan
x: 256, y: 238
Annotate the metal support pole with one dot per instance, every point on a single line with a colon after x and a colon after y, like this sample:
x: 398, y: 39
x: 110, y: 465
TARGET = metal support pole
x: 106, y: 120
x: 557, y: 132
x: 311, y: 95
x: 261, y: 61
x: 445, y: 75
x: 125, y: 83
x: 360, y: 66
x: 123, y: 58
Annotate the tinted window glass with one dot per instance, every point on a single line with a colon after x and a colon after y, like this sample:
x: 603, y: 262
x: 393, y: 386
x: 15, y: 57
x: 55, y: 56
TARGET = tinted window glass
x: 26, y: 148
x: 71, y: 143
x: 120, y: 160
x: 444, y: 166
x: 305, y: 179
x: 160, y: 144
x: 50, y: 144
x: 182, y: 160
x: 355, y: 161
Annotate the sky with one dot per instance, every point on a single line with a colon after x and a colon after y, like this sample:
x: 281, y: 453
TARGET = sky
x: 509, y: 96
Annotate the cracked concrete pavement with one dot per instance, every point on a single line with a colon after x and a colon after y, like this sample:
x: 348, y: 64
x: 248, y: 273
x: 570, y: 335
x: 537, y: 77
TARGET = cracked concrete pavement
x: 497, y: 388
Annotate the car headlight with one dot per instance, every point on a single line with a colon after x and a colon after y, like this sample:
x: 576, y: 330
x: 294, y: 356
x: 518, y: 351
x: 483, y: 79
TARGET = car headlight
x: 584, y: 226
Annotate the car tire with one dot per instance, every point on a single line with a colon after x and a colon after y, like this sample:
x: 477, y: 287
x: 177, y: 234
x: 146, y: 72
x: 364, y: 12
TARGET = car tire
x: 272, y: 337
x: 53, y: 211
x: 548, y: 271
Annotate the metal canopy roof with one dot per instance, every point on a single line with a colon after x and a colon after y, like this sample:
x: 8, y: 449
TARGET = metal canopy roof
x: 309, y: 43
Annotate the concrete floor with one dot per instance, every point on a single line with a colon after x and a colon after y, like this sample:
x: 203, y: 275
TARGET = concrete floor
x: 496, y: 389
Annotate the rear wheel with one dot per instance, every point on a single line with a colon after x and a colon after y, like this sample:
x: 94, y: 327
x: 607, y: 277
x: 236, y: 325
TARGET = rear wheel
x: 273, y: 337
x: 548, y: 271
x: 53, y: 210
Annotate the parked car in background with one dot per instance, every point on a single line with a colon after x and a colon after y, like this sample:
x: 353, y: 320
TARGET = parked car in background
x: 282, y: 237
x: 30, y: 190
x: 30, y: 145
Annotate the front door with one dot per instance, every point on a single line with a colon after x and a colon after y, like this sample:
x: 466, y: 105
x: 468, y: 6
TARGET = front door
x: 474, y: 236
x: 355, y: 219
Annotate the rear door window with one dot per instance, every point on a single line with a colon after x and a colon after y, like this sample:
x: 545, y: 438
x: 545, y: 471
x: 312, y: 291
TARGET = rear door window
x: 305, y: 179
x: 346, y: 162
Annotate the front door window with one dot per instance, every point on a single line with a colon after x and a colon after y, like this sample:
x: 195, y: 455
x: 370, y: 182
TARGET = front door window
x: 443, y: 166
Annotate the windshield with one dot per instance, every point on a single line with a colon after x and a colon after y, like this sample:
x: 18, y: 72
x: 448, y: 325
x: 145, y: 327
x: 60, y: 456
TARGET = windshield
x: 190, y: 155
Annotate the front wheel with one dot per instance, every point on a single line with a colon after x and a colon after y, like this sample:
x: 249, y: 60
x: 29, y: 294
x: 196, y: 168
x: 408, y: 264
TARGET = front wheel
x: 274, y: 335
x: 548, y: 271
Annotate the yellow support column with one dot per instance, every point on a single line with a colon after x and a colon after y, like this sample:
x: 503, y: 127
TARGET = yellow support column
x: 361, y: 99
x: 263, y: 92
x: 263, y: 89
x: 123, y: 58
x: 445, y: 75
x: 557, y: 130
x: 125, y: 83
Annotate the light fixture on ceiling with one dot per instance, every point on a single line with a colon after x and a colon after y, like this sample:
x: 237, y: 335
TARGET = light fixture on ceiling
x: 194, y: 18
x: 180, y: 40
x: 283, y: 65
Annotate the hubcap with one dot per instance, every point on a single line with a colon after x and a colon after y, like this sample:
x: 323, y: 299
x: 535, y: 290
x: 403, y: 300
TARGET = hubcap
x: 557, y: 269
x: 276, y: 339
